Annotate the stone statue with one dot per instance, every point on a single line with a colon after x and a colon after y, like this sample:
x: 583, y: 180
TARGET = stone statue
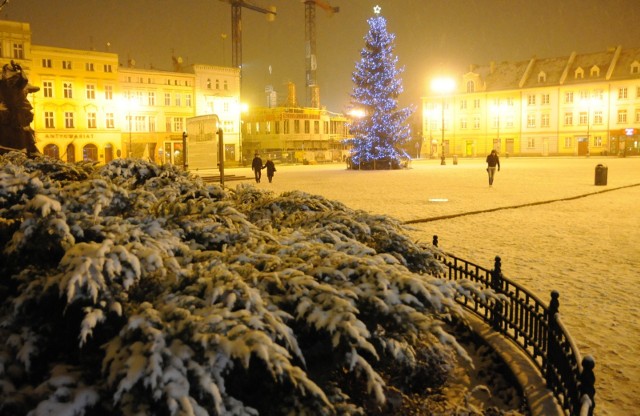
x: 16, y: 112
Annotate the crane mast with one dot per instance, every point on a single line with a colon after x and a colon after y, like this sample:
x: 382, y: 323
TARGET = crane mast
x: 236, y: 26
x: 311, y: 64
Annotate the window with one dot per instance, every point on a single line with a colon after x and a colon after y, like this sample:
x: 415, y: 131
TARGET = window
x: 66, y: 65
x: 228, y: 126
x: 141, y: 123
x: 187, y: 100
x: 463, y: 104
x: 568, y: 142
x: 584, y: 95
x: 476, y: 103
x: 306, y: 126
x: 622, y: 93
x: 637, y: 115
x: 635, y: 67
x: 531, y: 120
x: 109, y: 120
x: 217, y: 84
x: 531, y: 100
x: 90, y: 152
x: 496, y: 122
x: 48, y: 120
x: 568, y: 97
x: 544, y: 99
x: 167, y: 99
x: 463, y: 123
x: 178, y: 98
x: 579, y: 74
x: 277, y: 127
x: 583, y: 118
x: 89, y: 66
x: 568, y: 119
x: 597, y: 141
x: 151, y: 98
x: 91, y: 120
x: 108, y: 68
x: 91, y: 92
x: 531, y: 143
x: 46, y: 63
x: 178, y: 124
x: 68, y: 90
x: 226, y: 85
x: 68, y: 120
x: 542, y: 77
x: 51, y: 150
x: 225, y: 107
x: 108, y: 92
x: 509, y: 122
x: 595, y: 71
x: 544, y: 120
x: 152, y: 124
x: 316, y: 127
x: 296, y: 126
x: 286, y: 127
x: 622, y: 116
x: 637, y: 92
x: 471, y: 86
x: 597, y: 117
x: 209, y: 83
x: 47, y: 89
x: 476, y: 122
x: 18, y: 51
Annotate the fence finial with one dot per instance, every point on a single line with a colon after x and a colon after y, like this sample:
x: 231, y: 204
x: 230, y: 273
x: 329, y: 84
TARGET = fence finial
x: 554, y: 305
x: 588, y: 381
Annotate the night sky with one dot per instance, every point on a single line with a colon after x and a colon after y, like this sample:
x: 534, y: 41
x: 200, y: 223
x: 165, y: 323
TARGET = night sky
x: 433, y: 37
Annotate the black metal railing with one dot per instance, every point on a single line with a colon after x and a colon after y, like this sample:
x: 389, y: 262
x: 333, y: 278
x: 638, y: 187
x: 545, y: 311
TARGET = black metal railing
x: 537, y: 329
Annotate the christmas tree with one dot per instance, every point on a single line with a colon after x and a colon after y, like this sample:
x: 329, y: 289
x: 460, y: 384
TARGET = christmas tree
x: 382, y: 130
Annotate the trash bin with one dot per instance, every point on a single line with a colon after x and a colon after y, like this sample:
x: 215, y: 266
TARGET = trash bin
x: 455, y: 159
x: 601, y: 174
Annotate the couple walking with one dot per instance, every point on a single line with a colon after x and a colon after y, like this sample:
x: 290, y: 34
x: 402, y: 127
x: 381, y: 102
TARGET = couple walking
x: 257, y: 167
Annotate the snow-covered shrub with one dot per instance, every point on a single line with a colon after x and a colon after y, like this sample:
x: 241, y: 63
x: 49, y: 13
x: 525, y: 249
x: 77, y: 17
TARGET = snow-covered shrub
x: 133, y: 288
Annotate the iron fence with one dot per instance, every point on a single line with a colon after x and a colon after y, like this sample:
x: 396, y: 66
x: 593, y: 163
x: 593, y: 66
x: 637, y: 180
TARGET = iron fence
x: 533, y: 326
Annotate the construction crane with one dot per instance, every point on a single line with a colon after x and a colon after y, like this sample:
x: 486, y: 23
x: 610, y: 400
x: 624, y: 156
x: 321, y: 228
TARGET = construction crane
x: 313, y: 99
x: 236, y: 26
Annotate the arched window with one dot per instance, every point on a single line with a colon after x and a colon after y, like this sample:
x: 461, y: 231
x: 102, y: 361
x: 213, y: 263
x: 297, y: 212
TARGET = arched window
x: 542, y: 77
x: 71, y: 153
x: 471, y: 86
x: 90, y: 152
x: 52, y: 151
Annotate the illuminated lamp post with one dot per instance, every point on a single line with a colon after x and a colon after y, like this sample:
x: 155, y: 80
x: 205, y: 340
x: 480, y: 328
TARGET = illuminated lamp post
x: 443, y: 86
x: 588, y: 102
x: 499, y: 110
x: 130, y: 104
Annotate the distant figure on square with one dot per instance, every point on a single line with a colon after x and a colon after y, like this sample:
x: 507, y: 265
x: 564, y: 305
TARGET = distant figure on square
x: 271, y: 169
x: 256, y: 165
x: 493, y: 162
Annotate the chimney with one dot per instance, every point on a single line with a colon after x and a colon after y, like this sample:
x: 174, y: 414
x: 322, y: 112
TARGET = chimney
x: 315, y: 96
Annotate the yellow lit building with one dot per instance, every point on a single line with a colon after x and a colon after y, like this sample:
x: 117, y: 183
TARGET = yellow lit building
x: 292, y: 133
x: 90, y: 107
x: 582, y: 104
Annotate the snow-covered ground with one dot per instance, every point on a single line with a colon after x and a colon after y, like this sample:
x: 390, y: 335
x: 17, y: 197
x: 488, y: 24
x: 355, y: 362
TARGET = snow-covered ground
x: 587, y: 248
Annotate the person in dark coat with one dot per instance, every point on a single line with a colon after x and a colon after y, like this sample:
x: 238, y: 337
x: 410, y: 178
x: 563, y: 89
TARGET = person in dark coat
x: 256, y: 165
x: 493, y: 162
x: 271, y: 169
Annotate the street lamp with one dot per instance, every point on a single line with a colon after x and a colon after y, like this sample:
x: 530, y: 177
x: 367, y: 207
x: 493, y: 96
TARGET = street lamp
x: 443, y: 86
x: 588, y: 102
x: 499, y: 110
x: 130, y: 104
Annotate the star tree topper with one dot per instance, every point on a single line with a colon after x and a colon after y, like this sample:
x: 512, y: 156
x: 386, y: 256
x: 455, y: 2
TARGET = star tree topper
x: 377, y: 9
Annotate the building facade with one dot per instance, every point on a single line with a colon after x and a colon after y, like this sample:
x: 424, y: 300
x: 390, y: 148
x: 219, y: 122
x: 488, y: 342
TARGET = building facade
x: 582, y: 104
x: 91, y: 107
x: 290, y: 133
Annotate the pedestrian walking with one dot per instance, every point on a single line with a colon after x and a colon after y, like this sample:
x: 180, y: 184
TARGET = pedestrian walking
x: 256, y: 165
x: 271, y: 169
x: 493, y: 162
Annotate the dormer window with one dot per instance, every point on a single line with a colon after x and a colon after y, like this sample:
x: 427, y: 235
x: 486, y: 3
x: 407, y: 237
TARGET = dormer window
x: 471, y: 86
x: 595, y: 71
x: 542, y: 77
x: 635, y: 67
x: 579, y: 74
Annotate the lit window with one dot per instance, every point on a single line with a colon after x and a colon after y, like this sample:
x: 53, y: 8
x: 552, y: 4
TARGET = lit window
x: 622, y: 116
x: 531, y: 100
x: 18, y: 51
x: 91, y: 92
x: 568, y: 97
x: 47, y: 89
x: 597, y: 117
x: 531, y: 120
x: 544, y: 120
x: 68, y: 120
x: 89, y: 66
x: 48, y: 120
x: 151, y: 98
x: 622, y: 93
x: 109, y: 120
x: 46, y: 63
x: 544, y: 99
x: 66, y: 65
x: 68, y: 90
x: 108, y: 68
x: 583, y: 118
x: 568, y: 119
x: 108, y: 92
x: 91, y: 120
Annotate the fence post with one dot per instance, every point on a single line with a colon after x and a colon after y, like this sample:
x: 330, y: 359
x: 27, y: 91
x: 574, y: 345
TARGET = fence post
x: 552, y: 344
x: 496, y: 285
x: 587, y: 386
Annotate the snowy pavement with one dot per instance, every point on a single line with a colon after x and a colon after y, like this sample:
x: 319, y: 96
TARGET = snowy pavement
x: 583, y: 241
